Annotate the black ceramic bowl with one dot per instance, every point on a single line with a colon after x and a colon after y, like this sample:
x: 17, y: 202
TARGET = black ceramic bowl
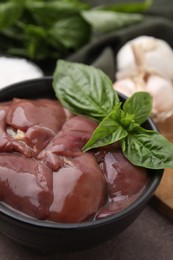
x: 49, y: 236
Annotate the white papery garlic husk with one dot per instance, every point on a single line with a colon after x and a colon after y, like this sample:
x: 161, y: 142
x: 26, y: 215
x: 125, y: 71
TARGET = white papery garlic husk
x: 146, y: 64
x: 154, y: 54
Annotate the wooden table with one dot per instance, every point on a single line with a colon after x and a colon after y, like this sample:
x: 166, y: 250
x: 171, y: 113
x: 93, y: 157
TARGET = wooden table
x: 164, y: 194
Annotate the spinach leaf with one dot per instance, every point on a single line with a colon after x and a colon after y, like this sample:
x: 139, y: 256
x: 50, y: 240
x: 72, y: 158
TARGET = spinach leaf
x: 139, y: 105
x: 106, y: 21
x: 84, y: 89
x: 148, y: 149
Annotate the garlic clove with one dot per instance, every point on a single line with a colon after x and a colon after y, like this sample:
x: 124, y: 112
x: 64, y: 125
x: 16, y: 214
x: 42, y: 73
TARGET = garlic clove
x: 125, y: 56
x: 162, y: 92
x: 125, y: 86
x: 159, y: 88
x: 155, y: 55
x: 129, y: 86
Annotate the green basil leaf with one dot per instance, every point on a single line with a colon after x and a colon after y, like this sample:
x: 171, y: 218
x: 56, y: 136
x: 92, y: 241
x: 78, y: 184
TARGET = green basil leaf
x: 72, y: 31
x: 113, y: 128
x: 84, y: 89
x: 132, y: 7
x: 9, y: 14
x: 35, y: 41
x: 149, y: 149
x: 47, y: 13
x: 107, y: 21
x: 140, y: 105
x: 109, y: 130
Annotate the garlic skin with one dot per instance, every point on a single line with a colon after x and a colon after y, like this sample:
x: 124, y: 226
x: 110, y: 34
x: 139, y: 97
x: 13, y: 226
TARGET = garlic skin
x: 162, y: 92
x: 155, y: 55
x: 125, y: 86
x: 146, y: 64
x: 159, y: 88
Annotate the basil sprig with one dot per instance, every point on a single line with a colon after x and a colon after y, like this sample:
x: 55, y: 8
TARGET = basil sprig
x: 86, y: 90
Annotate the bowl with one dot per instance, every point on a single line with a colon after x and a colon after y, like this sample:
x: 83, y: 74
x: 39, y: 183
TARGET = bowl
x: 50, y: 236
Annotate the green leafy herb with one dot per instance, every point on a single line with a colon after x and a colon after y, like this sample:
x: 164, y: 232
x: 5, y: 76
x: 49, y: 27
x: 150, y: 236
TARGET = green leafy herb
x: 67, y: 31
x: 86, y: 90
x: 140, y: 105
x: 132, y: 7
x: 41, y: 29
x: 148, y: 149
x: 107, y: 21
x: 9, y: 14
x: 49, y: 12
x: 109, y: 130
x: 49, y: 29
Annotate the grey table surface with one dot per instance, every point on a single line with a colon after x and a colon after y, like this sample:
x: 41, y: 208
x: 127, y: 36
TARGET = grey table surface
x: 150, y: 237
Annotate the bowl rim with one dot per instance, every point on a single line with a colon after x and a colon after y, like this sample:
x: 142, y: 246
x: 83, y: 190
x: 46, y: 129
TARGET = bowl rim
x: 144, y: 197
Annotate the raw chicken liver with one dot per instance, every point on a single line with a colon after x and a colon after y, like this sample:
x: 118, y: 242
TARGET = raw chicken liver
x: 45, y: 174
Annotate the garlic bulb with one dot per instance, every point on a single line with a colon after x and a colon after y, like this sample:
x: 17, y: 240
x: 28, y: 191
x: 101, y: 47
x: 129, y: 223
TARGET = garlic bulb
x: 155, y: 55
x: 146, y: 64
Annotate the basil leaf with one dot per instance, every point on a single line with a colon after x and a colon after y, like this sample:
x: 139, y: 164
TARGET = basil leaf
x: 106, y: 21
x: 9, y: 14
x: 133, y: 7
x: 84, y: 89
x: 65, y: 29
x: 149, y: 149
x: 35, y: 36
x: 47, y: 13
x: 72, y: 31
x: 140, y: 105
x: 109, y: 130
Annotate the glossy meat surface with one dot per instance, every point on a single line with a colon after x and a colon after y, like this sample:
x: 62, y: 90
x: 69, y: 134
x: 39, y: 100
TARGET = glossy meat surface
x: 45, y: 174
x: 125, y: 182
x: 79, y: 190
x: 25, y: 184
